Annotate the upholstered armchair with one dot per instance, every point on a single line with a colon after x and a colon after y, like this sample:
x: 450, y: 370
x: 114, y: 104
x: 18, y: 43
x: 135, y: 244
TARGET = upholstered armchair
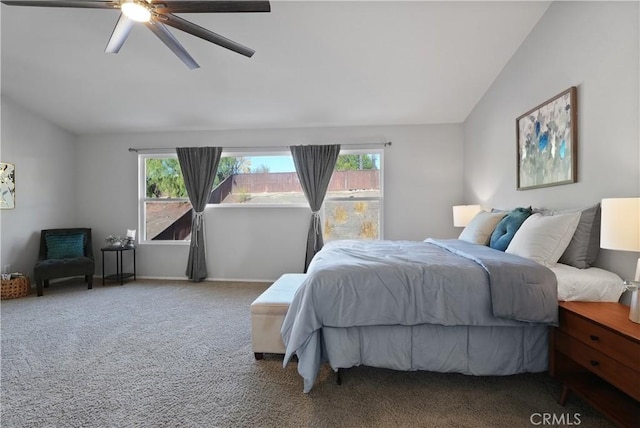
x: 64, y: 253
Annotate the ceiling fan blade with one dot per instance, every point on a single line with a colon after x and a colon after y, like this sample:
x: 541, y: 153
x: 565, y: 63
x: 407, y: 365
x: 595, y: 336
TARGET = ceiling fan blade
x: 120, y: 33
x: 172, y: 43
x: 211, y: 6
x: 203, y: 33
x: 68, y: 3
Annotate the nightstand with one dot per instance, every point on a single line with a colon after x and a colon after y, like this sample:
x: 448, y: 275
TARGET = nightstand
x: 595, y: 353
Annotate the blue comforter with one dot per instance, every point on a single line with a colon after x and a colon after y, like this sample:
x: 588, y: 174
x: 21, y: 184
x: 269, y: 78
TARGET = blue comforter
x: 445, y: 282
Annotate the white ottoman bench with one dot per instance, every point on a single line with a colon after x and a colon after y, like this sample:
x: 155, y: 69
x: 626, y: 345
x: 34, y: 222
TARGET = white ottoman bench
x: 268, y: 312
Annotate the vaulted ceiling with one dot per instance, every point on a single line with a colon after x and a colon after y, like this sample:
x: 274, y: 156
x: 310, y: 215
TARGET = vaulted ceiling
x: 316, y: 64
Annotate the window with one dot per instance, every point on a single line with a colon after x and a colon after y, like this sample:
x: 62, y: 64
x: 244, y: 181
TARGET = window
x: 352, y: 208
x: 353, y: 205
x: 241, y: 179
x: 249, y: 179
x: 166, y: 210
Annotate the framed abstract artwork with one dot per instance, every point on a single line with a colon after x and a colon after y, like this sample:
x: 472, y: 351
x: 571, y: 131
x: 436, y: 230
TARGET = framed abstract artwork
x: 547, y: 143
x: 7, y: 185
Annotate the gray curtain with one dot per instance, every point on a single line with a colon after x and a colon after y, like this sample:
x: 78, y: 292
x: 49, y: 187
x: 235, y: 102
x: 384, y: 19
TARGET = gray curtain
x: 199, y: 166
x: 314, y: 165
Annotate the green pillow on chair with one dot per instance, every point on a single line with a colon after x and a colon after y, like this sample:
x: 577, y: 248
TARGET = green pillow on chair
x: 65, y: 246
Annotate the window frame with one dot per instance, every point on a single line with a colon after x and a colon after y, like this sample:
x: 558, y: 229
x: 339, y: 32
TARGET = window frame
x: 143, y: 199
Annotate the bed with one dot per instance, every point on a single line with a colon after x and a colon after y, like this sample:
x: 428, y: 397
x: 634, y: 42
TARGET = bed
x: 488, y: 311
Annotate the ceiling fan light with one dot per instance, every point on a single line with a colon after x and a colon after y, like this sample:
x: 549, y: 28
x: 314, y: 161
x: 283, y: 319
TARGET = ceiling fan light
x: 136, y: 11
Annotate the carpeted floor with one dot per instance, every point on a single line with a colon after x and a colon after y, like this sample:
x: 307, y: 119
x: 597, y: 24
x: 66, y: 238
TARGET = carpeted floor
x: 178, y: 354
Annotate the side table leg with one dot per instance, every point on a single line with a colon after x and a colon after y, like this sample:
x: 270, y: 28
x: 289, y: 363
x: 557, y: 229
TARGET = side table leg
x: 102, y: 267
x: 120, y: 272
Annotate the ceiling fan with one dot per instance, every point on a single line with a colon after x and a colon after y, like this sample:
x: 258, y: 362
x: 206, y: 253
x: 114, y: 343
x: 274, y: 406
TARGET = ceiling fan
x: 156, y: 15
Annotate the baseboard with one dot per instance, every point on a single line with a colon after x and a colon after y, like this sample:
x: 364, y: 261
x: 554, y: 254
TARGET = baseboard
x: 184, y: 278
x: 163, y: 278
x: 241, y: 280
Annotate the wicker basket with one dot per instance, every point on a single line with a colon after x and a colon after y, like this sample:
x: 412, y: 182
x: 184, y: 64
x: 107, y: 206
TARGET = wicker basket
x: 14, y: 288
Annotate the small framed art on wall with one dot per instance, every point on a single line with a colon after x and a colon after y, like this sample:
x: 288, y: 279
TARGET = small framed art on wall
x: 7, y: 185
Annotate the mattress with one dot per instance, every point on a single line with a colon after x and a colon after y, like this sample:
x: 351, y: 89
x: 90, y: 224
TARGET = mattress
x: 587, y: 285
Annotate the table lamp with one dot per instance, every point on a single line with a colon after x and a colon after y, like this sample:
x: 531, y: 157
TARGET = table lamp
x: 462, y: 214
x: 620, y: 230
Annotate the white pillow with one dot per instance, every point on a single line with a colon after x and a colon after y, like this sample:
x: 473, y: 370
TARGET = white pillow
x: 587, y: 285
x: 544, y: 238
x: 481, y: 227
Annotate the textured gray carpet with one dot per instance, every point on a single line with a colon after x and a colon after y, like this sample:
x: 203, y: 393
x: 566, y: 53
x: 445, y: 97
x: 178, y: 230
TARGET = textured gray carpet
x: 178, y: 354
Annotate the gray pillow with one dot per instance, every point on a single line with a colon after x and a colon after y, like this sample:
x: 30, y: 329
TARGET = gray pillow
x: 585, y: 244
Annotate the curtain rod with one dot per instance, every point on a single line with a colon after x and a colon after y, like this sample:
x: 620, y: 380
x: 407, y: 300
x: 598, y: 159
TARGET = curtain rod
x: 270, y: 148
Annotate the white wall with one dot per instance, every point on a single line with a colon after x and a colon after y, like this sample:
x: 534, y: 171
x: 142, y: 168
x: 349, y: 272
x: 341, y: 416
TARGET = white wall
x: 45, y: 163
x: 591, y: 45
x: 422, y: 180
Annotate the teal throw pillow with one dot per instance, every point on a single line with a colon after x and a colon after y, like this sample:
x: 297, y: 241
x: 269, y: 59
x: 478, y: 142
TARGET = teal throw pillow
x: 507, y: 228
x: 65, y: 246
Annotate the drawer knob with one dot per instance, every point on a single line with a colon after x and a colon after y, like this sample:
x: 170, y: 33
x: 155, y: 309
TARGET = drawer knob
x: 593, y: 337
x: 594, y: 363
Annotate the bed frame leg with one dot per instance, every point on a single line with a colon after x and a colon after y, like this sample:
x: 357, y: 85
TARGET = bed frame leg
x: 564, y: 396
x: 339, y: 377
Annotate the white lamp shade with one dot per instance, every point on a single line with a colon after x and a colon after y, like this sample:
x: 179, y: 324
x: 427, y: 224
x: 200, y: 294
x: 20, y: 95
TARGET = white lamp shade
x: 462, y: 214
x: 620, y: 229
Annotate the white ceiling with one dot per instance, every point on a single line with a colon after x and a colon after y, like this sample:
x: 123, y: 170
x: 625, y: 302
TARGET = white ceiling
x: 316, y: 64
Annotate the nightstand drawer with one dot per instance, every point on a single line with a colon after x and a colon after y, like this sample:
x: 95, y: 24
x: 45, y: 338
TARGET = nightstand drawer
x: 606, y: 341
x: 623, y: 377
